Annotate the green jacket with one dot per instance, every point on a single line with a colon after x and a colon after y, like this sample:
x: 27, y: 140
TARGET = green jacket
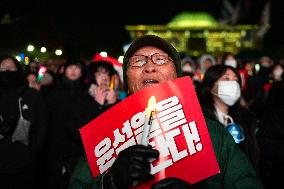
x: 236, y: 170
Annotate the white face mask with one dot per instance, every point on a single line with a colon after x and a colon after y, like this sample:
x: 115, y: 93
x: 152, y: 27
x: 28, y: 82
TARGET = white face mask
x: 186, y: 68
x: 277, y: 73
x: 229, y: 92
x: 232, y: 63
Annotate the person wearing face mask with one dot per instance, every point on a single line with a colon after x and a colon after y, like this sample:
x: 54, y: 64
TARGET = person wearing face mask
x: 277, y: 72
x: 229, y: 59
x: 23, y: 125
x: 188, y: 66
x: 220, y: 100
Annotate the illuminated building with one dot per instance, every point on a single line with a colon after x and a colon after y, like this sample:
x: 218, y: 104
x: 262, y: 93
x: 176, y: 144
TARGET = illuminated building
x: 196, y: 33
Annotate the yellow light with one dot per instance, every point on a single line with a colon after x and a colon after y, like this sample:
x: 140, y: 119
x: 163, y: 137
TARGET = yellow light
x: 195, y: 53
x: 151, y: 105
x: 243, y: 33
x: 30, y: 48
x: 150, y: 111
x: 27, y: 60
x: 238, y: 44
x: 112, y: 82
x: 58, y: 52
x: 43, y: 49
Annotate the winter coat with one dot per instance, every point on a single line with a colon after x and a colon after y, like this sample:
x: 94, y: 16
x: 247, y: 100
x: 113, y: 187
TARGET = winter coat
x: 248, y: 122
x: 271, y: 137
x: 64, y: 142
x: 16, y: 155
x: 236, y: 170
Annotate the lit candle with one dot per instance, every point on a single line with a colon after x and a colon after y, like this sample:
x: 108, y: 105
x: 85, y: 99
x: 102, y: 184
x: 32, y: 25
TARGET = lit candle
x: 111, y: 86
x: 149, y: 114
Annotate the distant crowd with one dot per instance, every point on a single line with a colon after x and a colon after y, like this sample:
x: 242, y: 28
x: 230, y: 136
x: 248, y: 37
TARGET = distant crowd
x: 43, y: 105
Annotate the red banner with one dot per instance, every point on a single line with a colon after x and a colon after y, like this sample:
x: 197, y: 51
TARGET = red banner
x: 178, y: 131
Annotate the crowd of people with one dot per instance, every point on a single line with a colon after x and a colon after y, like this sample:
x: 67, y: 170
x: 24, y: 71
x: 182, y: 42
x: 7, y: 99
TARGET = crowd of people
x: 40, y: 117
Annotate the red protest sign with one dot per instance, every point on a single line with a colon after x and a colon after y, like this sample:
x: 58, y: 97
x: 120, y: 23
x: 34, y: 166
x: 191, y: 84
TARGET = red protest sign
x: 178, y: 131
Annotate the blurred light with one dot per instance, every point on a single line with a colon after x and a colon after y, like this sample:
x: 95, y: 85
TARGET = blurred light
x: 195, y: 53
x: 30, y: 48
x: 58, y: 52
x: 43, y: 49
x: 103, y: 54
x: 238, y: 44
x: 257, y: 67
x: 18, y: 58
x: 120, y: 59
x: 27, y: 60
x: 41, y: 72
x: 22, y: 55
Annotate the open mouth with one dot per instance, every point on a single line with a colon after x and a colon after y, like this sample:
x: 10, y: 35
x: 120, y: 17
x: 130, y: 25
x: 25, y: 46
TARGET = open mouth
x: 149, y: 82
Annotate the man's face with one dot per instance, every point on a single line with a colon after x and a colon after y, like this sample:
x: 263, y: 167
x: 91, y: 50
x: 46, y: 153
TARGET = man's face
x: 149, y: 74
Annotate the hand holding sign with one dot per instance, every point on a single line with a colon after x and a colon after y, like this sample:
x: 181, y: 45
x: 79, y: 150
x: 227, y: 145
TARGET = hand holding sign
x: 132, y: 164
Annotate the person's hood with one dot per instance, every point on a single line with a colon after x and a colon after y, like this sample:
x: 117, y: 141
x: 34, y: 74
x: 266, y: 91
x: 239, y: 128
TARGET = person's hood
x: 205, y: 57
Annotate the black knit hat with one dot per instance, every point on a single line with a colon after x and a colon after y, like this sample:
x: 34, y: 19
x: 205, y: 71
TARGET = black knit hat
x: 151, y: 40
x: 76, y: 63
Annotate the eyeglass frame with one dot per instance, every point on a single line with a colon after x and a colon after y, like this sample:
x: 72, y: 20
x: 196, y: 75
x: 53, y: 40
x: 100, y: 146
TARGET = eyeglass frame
x: 151, y: 58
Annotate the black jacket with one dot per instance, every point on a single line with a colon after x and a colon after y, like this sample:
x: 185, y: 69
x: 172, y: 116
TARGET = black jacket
x: 16, y: 156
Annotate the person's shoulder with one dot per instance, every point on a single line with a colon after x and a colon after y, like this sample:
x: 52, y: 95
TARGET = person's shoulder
x: 32, y: 96
x: 217, y: 131
x: 30, y: 91
x: 212, y: 124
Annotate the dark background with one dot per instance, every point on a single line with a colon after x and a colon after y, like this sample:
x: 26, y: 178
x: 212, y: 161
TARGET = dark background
x: 86, y: 27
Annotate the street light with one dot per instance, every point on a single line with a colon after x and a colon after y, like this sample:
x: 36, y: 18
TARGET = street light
x: 30, y: 48
x: 18, y: 58
x: 43, y: 49
x: 58, y: 52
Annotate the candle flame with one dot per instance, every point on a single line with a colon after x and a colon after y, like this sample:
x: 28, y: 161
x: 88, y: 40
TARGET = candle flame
x: 151, y: 105
x: 112, y: 82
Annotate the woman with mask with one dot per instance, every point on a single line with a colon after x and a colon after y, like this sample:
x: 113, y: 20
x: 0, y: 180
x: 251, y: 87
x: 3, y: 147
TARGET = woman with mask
x: 229, y: 59
x: 220, y: 100
x: 277, y: 72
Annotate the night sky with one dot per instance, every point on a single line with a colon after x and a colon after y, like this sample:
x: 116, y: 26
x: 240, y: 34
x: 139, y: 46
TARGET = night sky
x: 85, y: 27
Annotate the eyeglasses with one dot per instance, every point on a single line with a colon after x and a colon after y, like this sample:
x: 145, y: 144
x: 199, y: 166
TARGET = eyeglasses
x: 140, y: 60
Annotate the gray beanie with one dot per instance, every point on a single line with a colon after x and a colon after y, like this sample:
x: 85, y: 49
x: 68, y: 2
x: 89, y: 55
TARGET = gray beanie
x: 151, y: 40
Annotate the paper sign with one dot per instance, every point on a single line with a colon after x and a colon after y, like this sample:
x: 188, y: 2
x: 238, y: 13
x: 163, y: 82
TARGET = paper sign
x: 178, y: 131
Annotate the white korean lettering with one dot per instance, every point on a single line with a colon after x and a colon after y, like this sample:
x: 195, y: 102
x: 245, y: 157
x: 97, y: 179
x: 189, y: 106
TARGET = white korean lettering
x: 192, y: 137
x: 167, y: 103
x: 105, y: 154
x: 176, y: 155
x: 173, y: 120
